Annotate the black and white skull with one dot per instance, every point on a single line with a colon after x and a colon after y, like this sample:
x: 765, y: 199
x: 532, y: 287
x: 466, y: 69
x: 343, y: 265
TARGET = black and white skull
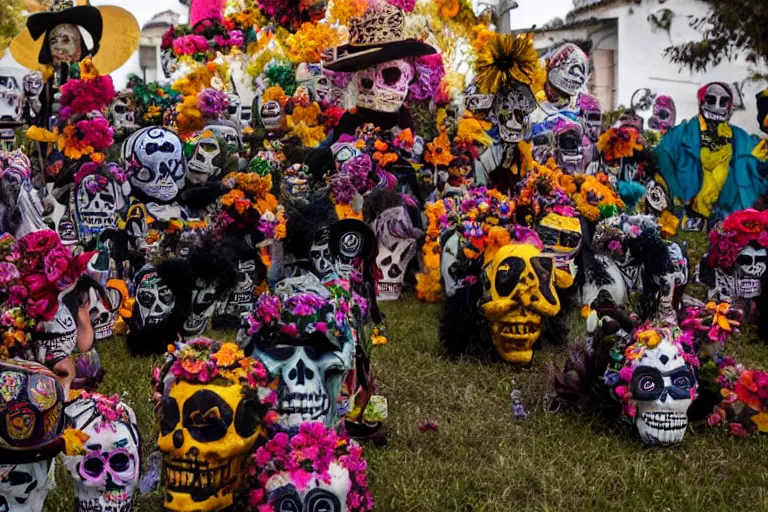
x: 663, y: 387
x: 384, y: 87
x: 203, y: 305
x: 397, y: 247
x: 228, y: 131
x: 272, y: 116
x: 97, y: 201
x: 168, y: 62
x: 321, y: 494
x: 101, y: 315
x: 752, y: 263
x: 657, y: 198
x: 512, y: 110
x: 235, y: 108
x: 154, y: 300
x: 449, y: 262
x: 716, y: 103
x: 568, y: 67
x: 476, y: 102
x: 24, y: 487
x: 725, y: 289
x: 569, y: 147
x: 154, y: 158
x: 320, y: 253
x: 672, y: 284
x: 201, y: 167
x: 122, y: 112
x: 58, y: 337
x: 349, y: 248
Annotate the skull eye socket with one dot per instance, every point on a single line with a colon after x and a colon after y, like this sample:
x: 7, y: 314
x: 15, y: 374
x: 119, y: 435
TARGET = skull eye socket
x: 93, y: 467
x: 508, y: 275
x: 146, y: 298
x: 319, y: 500
x: 120, y: 462
x: 594, y: 117
x: 545, y: 267
x: 391, y: 75
x: 288, y: 500
x: 206, y: 416
x: 744, y: 259
x: 170, y: 415
x: 647, y: 383
x: 663, y: 115
x: 725, y: 101
x: 569, y: 141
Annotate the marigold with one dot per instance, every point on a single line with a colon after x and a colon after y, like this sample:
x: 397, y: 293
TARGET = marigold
x: 438, y: 151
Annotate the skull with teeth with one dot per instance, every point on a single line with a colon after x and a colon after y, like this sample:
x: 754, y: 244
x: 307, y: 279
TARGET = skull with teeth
x: 320, y: 253
x: 203, y: 164
x: 98, y: 198
x: 569, y: 147
x: 154, y: 299
x: 209, y: 425
x: 520, y: 289
x: 663, y: 386
x: 664, y: 115
x: 105, y: 472
x: 591, y: 116
x: 384, y: 87
x: 511, y: 109
x: 397, y: 246
x: 716, y: 102
x: 154, y: 158
x: 752, y: 262
x: 122, y: 113
x: 567, y: 69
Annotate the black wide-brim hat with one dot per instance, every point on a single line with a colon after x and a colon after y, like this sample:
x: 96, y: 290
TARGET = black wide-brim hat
x: 342, y: 227
x: 353, y: 58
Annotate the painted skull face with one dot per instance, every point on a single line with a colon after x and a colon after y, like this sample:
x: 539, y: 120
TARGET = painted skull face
x: 318, y: 495
x: 320, y: 254
x: 562, y: 239
x: 235, y: 108
x: 716, y: 102
x: 154, y: 300
x: 229, y: 133
x: 101, y: 314
x: 203, y: 304
x: 631, y: 119
x: 569, y: 146
x: 65, y: 226
x: 32, y: 401
x: 672, y: 285
x: 33, y: 83
x: 663, y: 387
x: 272, y: 116
x: 657, y: 198
x: 105, y: 474
x: 24, y: 487
x: 154, y: 158
x: 201, y: 167
x: 122, y: 113
x: 97, y: 201
x: 751, y: 266
x: 58, y: 337
x: 591, y: 116
x: 511, y: 110
x: 350, y: 245
x: 449, y: 263
x: 397, y: 247
x: 664, y: 116
x: 384, y: 87
x: 567, y: 69
x: 520, y: 288
x: 241, y: 298
x: 206, y: 434
x: 65, y: 44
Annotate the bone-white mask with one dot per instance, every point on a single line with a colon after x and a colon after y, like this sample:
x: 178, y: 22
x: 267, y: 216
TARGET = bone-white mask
x: 449, y: 263
x: 24, y: 487
x: 511, y: 110
x: 752, y: 264
x: 154, y: 300
x: 201, y: 166
x: 154, y: 157
x: 317, y: 496
x: 97, y: 201
x: 568, y: 68
x: 203, y: 305
x: 384, y: 87
x: 320, y: 254
x: 64, y: 43
x: 397, y: 247
x: 58, y: 337
x: 716, y: 104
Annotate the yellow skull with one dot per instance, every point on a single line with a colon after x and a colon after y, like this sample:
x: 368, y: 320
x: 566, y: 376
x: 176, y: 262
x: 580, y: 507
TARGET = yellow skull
x: 520, y: 286
x: 206, y: 433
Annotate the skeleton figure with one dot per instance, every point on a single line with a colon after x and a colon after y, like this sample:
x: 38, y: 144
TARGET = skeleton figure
x: 591, y: 116
x: 384, y: 87
x: 320, y: 254
x: 569, y: 147
x: 318, y: 495
x: 567, y: 69
x: 663, y: 387
x: 511, y: 110
x: 751, y: 266
x: 716, y: 102
x: 520, y: 288
x: 106, y: 472
x: 65, y: 43
x: 397, y: 246
x: 154, y: 158
x: 24, y: 487
x: 201, y: 167
x: 664, y: 116
x: 154, y: 299
x: 122, y: 113
x: 33, y: 86
x: 203, y: 304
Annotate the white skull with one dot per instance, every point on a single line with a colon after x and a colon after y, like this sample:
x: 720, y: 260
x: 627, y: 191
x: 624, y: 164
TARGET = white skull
x: 320, y: 253
x: 317, y: 496
x: 228, y: 131
x: 725, y: 287
x: 122, y: 112
x: 570, y: 148
x: 384, y: 87
x: 449, y: 263
x: 106, y: 475
x: 657, y: 198
x: 154, y: 299
x: 203, y: 305
x: 663, y: 387
x: 116, y: 299
x: 397, y: 247
x: 751, y: 264
x: 57, y: 338
x: 568, y: 68
x: 201, y: 166
x: 235, y: 107
x: 168, y: 62
x: 101, y: 315
x: 154, y: 157
x: 672, y: 285
x: 717, y: 104
x: 97, y: 201
x: 24, y: 487
x: 511, y: 110
x: 241, y: 299
x: 310, y: 381
x: 272, y: 115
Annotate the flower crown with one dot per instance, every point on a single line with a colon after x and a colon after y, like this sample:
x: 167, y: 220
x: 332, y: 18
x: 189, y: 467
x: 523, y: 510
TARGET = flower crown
x: 733, y: 234
x: 307, y: 455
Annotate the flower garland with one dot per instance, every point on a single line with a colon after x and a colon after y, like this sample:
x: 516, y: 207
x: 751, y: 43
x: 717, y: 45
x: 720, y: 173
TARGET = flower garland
x: 311, y: 40
x: 618, y: 143
x: 310, y: 456
x: 732, y: 235
x: 595, y: 198
x: 714, y: 322
x: 428, y: 283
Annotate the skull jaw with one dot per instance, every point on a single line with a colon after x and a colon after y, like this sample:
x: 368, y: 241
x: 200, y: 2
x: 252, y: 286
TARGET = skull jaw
x: 103, y: 499
x: 390, y: 290
x: 213, y: 494
x: 661, y: 427
x: 514, y: 339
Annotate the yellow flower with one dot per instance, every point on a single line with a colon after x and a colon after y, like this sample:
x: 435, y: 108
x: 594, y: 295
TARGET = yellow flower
x: 649, y: 338
x: 761, y: 421
x: 341, y: 11
x: 190, y: 119
x: 42, y: 135
x: 274, y: 93
x: 87, y: 70
x: 228, y: 355
x: 311, y: 40
x: 153, y: 112
x: 71, y: 146
x: 377, y: 338
x: 73, y: 441
x: 439, y: 150
x: 720, y: 314
x: 668, y: 223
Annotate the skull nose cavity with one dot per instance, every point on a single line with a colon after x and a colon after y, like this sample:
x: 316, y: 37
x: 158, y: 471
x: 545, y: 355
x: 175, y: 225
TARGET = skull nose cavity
x: 178, y: 439
x: 366, y: 83
x: 300, y: 374
x: 664, y: 359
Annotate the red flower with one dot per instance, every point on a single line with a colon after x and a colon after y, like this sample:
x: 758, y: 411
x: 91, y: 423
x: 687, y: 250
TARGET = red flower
x: 167, y: 38
x: 39, y: 242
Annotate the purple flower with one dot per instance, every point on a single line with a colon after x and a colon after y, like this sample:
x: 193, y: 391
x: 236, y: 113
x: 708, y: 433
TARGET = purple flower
x: 212, y: 103
x: 8, y: 274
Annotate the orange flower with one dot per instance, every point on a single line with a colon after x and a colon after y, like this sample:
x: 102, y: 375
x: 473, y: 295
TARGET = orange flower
x: 385, y: 159
x: 380, y: 145
x: 439, y: 150
x: 448, y: 8
x: 228, y: 355
x: 71, y: 146
x: 97, y: 158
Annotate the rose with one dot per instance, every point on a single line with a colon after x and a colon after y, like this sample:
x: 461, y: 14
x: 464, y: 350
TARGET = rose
x: 36, y: 283
x: 57, y: 263
x: 43, y: 308
x: 39, y: 242
x: 8, y: 274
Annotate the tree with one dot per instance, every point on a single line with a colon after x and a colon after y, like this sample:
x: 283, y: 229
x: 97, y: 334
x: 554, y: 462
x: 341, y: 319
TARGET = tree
x: 11, y: 21
x: 731, y: 29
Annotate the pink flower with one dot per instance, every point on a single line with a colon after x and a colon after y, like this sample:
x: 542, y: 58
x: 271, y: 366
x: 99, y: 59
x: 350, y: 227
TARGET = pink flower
x: 97, y: 132
x: 301, y: 478
x: 321, y: 327
x: 187, y: 45
x: 43, y: 308
x: 39, y: 242
x: 36, y: 283
x: 714, y: 418
x: 621, y: 391
x: 289, y: 329
x: 57, y: 262
x: 8, y: 274
x: 738, y: 429
x: 266, y: 508
x: 256, y: 496
x: 625, y: 373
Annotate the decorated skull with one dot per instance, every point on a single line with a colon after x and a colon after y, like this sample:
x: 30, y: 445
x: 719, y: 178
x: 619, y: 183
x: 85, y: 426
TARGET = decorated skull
x: 122, y: 113
x: 154, y: 299
x: 569, y: 147
x: 33, y: 86
x: 154, y: 158
x: 663, y: 386
x: 352, y: 243
x: 202, y: 166
x: 105, y: 466
x: 235, y: 108
x: 751, y: 264
x: 397, y: 246
x: 511, y: 110
x: 591, y: 116
x: 567, y: 69
x: 672, y: 285
x: 203, y: 305
x: 320, y: 253
x: 24, y: 487
x: 449, y: 262
x: 562, y: 239
x: 520, y: 288
x: 384, y: 87
x: 57, y: 338
x: 98, y: 199
x: 272, y: 116
x: 209, y: 422
x: 62, y: 221
x: 664, y: 116
x: 716, y: 102
x: 657, y: 198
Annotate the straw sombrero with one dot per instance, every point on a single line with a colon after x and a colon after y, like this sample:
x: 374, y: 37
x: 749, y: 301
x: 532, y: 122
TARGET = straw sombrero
x: 114, y: 31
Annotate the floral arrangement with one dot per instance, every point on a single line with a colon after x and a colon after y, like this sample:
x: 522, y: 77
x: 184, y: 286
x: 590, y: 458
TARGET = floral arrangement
x: 15, y: 326
x: 152, y: 101
x: 505, y: 59
x: 713, y: 323
x: 545, y: 190
x: 306, y: 121
x: 250, y: 202
x: 307, y: 456
x: 202, y: 93
x: 312, y: 40
x: 627, y: 349
x: 617, y: 143
x: 744, y: 408
x: 90, y: 92
x: 595, y: 198
x: 733, y: 234
x: 428, y: 283
x: 613, y: 236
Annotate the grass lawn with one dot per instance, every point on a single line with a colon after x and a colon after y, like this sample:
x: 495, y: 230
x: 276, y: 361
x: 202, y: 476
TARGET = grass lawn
x: 481, y: 458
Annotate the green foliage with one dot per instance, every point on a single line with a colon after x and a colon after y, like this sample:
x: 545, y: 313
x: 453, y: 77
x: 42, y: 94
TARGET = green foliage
x: 11, y: 21
x: 610, y: 117
x: 731, y: 29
